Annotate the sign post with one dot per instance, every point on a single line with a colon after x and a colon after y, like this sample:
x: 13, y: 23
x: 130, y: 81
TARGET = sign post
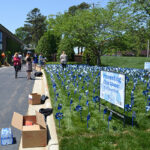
x: 112, y: 89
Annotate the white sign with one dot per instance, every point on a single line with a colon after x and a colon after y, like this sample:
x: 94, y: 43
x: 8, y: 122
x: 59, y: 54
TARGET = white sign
x: 147, y: 66
x: 112, y: 88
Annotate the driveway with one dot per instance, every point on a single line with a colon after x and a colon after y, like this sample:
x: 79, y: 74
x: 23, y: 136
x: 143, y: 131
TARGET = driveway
x: 13, y: 98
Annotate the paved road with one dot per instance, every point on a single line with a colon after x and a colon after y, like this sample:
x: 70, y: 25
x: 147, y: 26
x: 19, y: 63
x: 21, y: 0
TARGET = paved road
x: 13, y: 97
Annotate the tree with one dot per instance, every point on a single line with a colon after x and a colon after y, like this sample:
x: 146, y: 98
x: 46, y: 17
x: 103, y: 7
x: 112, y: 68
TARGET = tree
x: 83, y: 6
x: 67, y: 46
x: 35, y: 25
x: 23, y: 35
x: 47, y: 45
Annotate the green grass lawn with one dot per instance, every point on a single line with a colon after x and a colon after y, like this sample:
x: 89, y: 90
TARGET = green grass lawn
x: 73, y: 132
x: 124, y: 62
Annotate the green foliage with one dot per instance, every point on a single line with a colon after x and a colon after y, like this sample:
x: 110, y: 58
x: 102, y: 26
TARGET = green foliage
x: 68, y: 63
x: 73, y: 9
x: 23, y: 35
x: 124, y: 62
x: 47, y: 45
x: 88, y: 54
x: 35, y: 26
x: 11, y: 47
x: 67, y: 46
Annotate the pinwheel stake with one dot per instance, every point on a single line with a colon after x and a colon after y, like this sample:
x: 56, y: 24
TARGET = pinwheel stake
x: 59, y: 106
x: 79, y: 108
x: 127, y: 108
x: 71, y: 101
x: 145, y: 93
x: 148, y: 99
x: 87, y: 104
x: 95, y: 100
x: 93, y: 92
x: 109, y: 119
x: 82, y: 87
x: 75, y: 91
x: 133, y: 116
x: 88, y: 118
x: 59, y: 116
x: 68, y: 94
x: 105, y: 111
x: 79, y: 99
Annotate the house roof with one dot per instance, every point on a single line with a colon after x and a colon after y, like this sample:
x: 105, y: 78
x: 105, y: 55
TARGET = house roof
x: 2, y: 28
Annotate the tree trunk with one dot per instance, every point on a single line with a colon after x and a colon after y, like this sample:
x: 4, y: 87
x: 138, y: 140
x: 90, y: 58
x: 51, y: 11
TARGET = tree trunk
x: 98, y: 58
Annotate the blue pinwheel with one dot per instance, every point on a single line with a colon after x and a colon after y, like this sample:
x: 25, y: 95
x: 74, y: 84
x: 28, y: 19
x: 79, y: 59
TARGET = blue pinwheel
x: 86, y: 92
x: 71, y: 101
x: 59, y: 116
x: 147, y: 108
x: 145, y: 93
x: 59, y: 106
x: 88, y: 118
x: 75, y: 91
x: 82, y: 87
x: 68, y: 94
x: 148, y: 99
x: 96, y: 99
x: 128, y: 108
x: 79, y: 109
x: 105, y: 111
x: 87, y: 104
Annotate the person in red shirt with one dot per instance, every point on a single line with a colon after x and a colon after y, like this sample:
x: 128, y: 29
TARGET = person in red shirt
x: 17, y: 63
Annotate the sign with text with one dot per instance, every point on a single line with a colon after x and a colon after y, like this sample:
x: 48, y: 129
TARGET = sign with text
x: 147, y: 66
x: 112, y: 88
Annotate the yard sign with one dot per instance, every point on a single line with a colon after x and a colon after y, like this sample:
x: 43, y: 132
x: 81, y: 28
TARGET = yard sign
x: 112, y: 88
x: 147, y: 66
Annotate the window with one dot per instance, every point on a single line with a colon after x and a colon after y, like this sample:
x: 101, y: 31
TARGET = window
x: 1, y: 41
x: 0, y: 46
x: 0, y: 36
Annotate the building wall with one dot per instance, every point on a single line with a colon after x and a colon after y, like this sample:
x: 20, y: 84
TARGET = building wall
x: 3, y: 42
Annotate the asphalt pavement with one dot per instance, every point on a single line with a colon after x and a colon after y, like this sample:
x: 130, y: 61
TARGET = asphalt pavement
x: 13, y: 98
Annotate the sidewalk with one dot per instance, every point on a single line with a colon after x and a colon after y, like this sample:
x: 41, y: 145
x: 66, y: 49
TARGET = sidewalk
x: 41, y: 87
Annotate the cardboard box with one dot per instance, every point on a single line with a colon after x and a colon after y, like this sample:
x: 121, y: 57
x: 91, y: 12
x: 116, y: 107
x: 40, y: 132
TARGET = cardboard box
x: 34, y: 135
x: 34, y: 99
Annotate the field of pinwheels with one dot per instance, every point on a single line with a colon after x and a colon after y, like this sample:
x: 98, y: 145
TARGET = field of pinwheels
x: 82, y: 123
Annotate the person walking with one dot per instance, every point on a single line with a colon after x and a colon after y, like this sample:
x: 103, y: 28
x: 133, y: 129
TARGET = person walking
x: 41, y: 61
x: 28, y: 65
x: 16, y: 63
x: 63, y: 59
x: 20, y: 56
x: 35, y: 60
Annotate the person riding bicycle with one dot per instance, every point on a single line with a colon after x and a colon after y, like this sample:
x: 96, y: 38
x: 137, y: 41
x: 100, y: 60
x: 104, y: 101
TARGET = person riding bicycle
x: 17, y: 63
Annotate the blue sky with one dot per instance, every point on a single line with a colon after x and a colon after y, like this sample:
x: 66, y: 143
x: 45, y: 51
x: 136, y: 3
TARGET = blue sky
x: 13, y: 13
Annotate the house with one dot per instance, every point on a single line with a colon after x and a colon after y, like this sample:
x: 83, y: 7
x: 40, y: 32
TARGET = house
x: 9, y: 43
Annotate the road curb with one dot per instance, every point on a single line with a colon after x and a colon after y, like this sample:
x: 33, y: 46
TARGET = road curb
x: 41, y: 87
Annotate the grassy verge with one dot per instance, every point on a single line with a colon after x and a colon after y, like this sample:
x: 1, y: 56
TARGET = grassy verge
x: 73, y: 132
x: 124, y: 62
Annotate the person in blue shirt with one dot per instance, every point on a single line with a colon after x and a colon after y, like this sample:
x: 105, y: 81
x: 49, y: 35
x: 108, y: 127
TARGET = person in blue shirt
x: 35, y: 60
x: 41, y: 61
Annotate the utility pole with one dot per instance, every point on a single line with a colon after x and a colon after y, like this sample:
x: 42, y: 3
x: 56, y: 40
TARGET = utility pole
x: 148, y: 48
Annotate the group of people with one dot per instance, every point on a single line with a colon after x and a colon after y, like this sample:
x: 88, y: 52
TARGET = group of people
x: 17, y: 62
